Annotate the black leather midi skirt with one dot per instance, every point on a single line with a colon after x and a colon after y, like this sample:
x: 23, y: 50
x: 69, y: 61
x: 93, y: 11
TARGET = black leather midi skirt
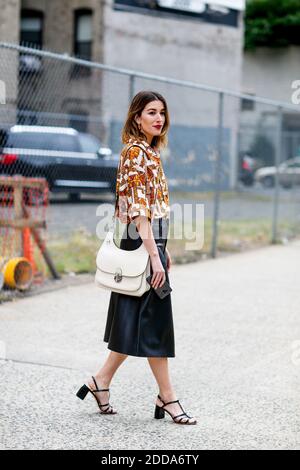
x: 142, y: 326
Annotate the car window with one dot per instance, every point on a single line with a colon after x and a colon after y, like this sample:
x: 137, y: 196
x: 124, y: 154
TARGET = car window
x: 3, y: 138
x: 89, y: 143
x: 46, y: 141
x: 65, y: 142
x: 294, y: 165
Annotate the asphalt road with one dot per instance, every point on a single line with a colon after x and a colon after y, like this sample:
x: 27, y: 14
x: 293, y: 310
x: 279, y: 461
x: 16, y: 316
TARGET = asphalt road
x: 236, y: 369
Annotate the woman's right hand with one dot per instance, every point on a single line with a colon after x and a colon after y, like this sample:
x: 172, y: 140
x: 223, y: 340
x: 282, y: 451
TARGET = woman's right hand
x: 145, y: 231
x: 158, y: 275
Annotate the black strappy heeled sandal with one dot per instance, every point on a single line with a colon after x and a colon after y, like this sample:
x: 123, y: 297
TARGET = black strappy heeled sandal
x: 160, y: 413
x: 84, y: 390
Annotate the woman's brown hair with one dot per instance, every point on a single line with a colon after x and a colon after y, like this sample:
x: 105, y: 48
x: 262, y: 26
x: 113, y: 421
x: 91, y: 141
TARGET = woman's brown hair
x: 131, y: 128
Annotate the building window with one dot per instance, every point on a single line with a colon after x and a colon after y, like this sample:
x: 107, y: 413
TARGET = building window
x: 247, y: 105
x: 83, y: 33
x: 31, y: 33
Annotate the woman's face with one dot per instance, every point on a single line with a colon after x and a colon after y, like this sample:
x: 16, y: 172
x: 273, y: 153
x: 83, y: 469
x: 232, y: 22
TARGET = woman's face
x: 152, y: 119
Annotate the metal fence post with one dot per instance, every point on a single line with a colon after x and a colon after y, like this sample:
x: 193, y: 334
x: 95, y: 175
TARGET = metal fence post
x: 276, y: 186
x: 131, y: 87
x: 218, y: 162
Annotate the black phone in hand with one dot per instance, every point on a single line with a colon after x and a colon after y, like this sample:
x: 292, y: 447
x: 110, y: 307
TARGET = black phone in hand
x: 162, y: 291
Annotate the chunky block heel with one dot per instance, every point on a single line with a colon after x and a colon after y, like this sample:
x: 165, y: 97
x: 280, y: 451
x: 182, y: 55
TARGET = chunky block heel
x: 82, y: 392
x: 159, y: 412
x: 183, y: 418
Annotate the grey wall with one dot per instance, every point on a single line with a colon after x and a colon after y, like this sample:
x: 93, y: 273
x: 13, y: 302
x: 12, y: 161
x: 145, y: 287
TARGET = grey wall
x: 269, y: 73
x: 9, y: 32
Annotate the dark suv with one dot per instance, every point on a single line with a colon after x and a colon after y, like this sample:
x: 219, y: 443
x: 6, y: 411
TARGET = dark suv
x: 71, y: 161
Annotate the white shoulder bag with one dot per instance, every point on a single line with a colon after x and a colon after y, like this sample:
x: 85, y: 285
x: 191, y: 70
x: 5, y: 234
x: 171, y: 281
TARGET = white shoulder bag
x: 123, y: 271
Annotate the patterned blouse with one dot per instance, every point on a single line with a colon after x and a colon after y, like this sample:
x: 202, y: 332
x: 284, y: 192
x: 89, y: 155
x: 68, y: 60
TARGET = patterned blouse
x: 136, y: 196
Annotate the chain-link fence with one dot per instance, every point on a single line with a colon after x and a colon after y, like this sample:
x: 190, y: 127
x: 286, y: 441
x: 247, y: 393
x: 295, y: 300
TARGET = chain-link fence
x: 61, y: 120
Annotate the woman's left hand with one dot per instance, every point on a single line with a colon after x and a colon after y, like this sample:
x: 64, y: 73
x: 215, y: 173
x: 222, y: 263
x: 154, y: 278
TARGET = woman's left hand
x: 169, y: 260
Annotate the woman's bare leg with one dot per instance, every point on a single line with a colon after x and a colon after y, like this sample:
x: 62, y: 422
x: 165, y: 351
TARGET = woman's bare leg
x: 160, y: 369
x: 104, y: 375
x: 112, y: 363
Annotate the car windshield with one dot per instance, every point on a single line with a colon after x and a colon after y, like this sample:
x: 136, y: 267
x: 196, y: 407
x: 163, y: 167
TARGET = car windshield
x: 3, y: 138
x: 294, y: 164
x: 43, y: 141
x: 89, y: 143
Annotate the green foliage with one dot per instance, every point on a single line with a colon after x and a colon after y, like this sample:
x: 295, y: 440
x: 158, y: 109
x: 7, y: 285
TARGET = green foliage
x: 272, y: 23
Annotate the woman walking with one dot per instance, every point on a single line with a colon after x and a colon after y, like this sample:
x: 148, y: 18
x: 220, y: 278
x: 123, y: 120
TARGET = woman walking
x: 142, y: 326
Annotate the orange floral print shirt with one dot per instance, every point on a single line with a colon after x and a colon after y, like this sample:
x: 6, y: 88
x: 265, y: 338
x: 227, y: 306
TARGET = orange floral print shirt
x: 136, y: 196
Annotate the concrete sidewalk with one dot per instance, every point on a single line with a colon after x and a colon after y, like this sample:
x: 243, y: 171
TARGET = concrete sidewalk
x: 236, y: 368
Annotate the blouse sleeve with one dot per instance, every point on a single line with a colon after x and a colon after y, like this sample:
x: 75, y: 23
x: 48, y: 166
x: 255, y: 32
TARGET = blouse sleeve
x: 132, y: 189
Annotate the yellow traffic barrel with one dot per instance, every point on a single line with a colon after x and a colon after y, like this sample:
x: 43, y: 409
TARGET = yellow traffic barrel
x: 18, y: 273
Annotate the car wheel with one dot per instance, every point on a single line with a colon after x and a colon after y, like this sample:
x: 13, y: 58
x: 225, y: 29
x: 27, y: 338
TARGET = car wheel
x: 74, y: 197
x: 268, y: 182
